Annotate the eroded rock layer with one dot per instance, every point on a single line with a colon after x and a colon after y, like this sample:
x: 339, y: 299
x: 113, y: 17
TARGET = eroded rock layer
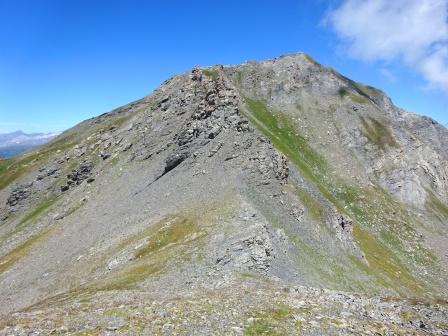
x: 282, y: 171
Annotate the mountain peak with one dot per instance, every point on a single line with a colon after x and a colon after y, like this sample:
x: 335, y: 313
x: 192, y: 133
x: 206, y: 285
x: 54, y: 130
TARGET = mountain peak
x: 271, y: 188
x: 18, y: 132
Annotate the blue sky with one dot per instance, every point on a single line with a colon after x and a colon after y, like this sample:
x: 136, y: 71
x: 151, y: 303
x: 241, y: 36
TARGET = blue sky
x: 64, y: 61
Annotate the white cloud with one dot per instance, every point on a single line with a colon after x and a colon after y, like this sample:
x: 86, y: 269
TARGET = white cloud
x: 412, y: 31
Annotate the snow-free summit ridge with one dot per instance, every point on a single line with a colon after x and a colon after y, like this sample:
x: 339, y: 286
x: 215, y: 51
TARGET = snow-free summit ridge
x: 269, y: 197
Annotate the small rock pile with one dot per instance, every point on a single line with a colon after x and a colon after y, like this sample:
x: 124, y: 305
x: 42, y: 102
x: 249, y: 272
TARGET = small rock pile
x: 79, y: 174
x: 20, y: 192
x: 46, y: 173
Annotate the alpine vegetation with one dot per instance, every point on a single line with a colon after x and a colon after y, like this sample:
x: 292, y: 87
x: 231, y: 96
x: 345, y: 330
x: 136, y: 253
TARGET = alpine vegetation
x: 267, y: 198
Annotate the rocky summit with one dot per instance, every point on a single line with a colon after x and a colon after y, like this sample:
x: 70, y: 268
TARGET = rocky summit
x: 267, y: 198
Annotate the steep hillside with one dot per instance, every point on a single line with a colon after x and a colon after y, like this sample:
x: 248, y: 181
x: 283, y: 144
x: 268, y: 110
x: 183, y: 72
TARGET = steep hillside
x: 237, y: 199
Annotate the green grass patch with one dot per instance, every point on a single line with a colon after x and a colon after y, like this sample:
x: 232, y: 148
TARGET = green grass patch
x: 345, y: 92
x: 93, y: 332
x: 73, y: 209
x: 392, y: 239
x: 30, y: 217
x: 367, y: 90
x: 4, y: 164
x: 358, y: 99
x: 260, y: 327
x: 310, y: 59
x: 313, y: 207
x: 128, y: 278
x: 329, y: 271
x: 248, y: 275
x: 383, y: 264
x: 38, y: 210
x: 378, y: 133
x: 114, y: 121
x: 434, y: 204
x: 269, y: 321
x: 114, y: 161
x: 179, y: 233
x: 285, y: 137
x: 395, y: 226
x: 20, y: 251
x: 12, y: 169
x: 407, y: 315
x: 210, y: 73
x: 175, y: 231
x: 282, y: 132
x: 239, y: 77
x: 120, y: 121
x: 119, y: 312
x: 280, y: 312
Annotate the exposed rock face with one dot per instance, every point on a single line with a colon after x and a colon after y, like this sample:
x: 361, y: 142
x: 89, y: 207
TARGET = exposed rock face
x: 281, y: 167
x: 80, y: 173
x: 281, y: 170
x: 215, y: 108
x: 18, y: 194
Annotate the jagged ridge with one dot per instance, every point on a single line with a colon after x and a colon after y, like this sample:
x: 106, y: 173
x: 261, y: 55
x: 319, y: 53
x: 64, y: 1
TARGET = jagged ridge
x: 282, y: 169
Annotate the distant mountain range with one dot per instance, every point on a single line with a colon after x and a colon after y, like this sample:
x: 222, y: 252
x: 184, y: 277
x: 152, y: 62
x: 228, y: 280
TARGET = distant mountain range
x: 18, y: 142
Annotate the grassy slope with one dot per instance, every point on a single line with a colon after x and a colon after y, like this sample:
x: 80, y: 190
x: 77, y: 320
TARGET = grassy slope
x: 12, y: 169
x: 9, y: 259
x: 382, y: 228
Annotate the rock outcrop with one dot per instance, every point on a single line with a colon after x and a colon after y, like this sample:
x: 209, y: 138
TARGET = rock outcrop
x: 281, y: 174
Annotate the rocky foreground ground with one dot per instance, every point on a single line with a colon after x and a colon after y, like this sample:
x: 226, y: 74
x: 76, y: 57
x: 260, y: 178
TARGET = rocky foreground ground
x: 245, y: 306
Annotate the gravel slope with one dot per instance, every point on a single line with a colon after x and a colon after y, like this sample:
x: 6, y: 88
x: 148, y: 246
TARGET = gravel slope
x: 220, y: 189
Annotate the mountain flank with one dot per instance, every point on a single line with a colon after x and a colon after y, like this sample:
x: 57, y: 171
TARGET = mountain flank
x: 273, y: 197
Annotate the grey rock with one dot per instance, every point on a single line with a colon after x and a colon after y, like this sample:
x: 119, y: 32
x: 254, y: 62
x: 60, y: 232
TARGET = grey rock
x: 19, y: 194
x: 295, y: 193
